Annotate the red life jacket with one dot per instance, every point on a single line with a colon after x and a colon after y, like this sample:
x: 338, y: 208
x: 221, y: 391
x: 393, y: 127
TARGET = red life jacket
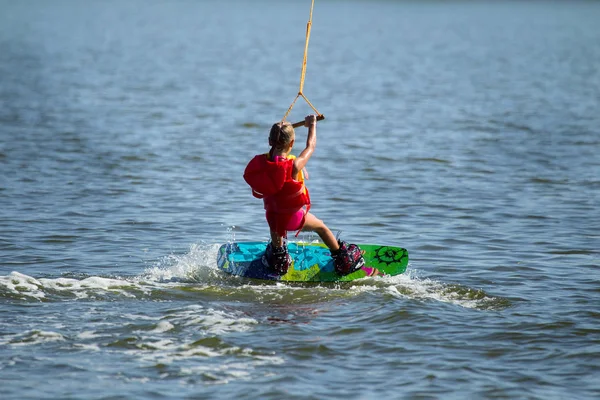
x: 272, y: 181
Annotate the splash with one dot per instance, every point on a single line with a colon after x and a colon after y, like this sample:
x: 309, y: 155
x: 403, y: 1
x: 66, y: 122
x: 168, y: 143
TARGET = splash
x: 409, y: 285
x: 198, y: 265
x: 182, y: 275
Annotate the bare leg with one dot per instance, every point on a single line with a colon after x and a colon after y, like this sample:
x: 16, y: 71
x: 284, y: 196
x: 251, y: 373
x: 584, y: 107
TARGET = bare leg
x: 314, y: 224
x: 276, y: 239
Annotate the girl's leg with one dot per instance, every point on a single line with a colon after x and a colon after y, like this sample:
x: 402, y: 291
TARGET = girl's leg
x: 314, y: 224
x: 276, y: 239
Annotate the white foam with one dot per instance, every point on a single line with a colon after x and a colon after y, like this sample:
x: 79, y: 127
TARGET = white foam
x: 88, y: 335
x: 83, y: 288
x: 224, y: 373
x: 213, y: 321
x: 408, y: 285
x: 134, y: 380
x: 198, y: 264
x: 163, y: 326
x: 90, y: 347
x: 140, y: 317
x: 236, y: 370
x: 25, y: 285
x: 19, y: 283
x: 168, y: 352
x: 162, y: 344
x: 34, y: 337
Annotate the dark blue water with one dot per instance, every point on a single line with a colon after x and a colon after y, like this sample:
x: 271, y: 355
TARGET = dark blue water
x: 467, y: 132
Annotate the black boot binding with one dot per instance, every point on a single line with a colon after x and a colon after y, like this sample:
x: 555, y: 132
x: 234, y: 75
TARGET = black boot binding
x: 347, y: 259
x: 277, y: 258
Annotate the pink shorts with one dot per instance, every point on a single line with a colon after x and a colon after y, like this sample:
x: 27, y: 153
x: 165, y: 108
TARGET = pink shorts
x: 282, y: 223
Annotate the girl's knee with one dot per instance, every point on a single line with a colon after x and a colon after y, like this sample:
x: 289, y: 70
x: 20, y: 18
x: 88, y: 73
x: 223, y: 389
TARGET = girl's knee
x: 320, y: 227
x: 318, y: 223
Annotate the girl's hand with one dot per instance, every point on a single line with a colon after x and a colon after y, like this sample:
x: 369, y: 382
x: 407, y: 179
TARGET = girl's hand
x: 310, y: 120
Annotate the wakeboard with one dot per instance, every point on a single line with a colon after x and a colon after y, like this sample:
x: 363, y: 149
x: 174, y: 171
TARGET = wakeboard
x: 311, y: 262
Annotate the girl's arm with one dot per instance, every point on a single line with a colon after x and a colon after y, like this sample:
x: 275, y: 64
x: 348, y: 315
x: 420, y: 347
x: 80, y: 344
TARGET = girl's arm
x: 311, y: 142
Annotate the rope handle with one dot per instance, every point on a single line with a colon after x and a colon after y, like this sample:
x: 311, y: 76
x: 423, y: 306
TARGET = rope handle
x: 301, y: 123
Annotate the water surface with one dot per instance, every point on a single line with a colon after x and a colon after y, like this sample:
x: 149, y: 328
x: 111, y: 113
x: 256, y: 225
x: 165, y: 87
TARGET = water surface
x: 467, y: 132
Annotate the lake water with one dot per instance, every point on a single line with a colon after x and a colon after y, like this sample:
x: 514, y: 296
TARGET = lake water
x: 467, y: 132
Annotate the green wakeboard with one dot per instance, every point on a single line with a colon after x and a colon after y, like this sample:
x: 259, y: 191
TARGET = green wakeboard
x: 311, y: 262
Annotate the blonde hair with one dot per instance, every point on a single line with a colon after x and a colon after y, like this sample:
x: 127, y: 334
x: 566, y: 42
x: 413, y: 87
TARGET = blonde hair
x: 281, y: 135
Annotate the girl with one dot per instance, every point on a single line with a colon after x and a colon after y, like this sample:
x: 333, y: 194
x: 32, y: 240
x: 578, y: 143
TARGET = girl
x: 278, y: 178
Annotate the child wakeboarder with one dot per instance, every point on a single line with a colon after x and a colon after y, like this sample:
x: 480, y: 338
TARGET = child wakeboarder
x: 278, y: 178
